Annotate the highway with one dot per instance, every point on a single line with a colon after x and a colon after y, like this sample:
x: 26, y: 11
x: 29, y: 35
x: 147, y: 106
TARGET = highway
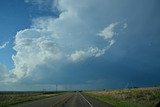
x: 66, y: 100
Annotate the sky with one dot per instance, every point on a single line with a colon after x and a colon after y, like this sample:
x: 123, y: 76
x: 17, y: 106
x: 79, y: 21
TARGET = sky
x: 74, y: 45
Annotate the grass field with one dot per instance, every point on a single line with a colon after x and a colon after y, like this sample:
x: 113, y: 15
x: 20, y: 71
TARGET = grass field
x: 135, y: 97
x: 12, y: 98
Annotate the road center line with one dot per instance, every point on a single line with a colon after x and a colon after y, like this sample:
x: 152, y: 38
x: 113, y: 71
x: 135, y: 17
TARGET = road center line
x: 86, y: 100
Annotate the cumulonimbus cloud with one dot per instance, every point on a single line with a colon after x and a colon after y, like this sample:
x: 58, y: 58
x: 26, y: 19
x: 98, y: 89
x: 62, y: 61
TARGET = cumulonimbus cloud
x: 65, y: 39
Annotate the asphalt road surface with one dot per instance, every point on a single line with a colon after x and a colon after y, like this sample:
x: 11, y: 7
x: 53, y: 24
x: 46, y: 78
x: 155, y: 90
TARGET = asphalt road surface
x: 66, y: 100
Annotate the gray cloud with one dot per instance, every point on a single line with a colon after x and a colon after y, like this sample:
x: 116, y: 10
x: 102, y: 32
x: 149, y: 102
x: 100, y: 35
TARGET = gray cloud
x: 84, y: 41
x: 3, y: 72
x: 51, y: 40
x: 51, y: 44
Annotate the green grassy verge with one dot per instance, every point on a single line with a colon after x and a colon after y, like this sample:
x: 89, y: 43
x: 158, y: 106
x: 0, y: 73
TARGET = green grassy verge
x: 117, y: 102
x: 14, y: 98
x: 18, y: 101
x: 133, y: 97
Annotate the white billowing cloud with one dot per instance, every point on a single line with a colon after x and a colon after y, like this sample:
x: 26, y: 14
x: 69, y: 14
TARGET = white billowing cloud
x: 78, y: 55
x: 82, y: 54
x: 71, y: 37
x: 33, y: 47
x: 90, y: 52
x: 111, y: 42
x: 108, y: 32
x: 125, y: 25
x: 4, y: 45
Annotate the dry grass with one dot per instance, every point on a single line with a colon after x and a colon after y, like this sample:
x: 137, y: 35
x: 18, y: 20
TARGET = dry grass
x: 143, y: 96
x: 11, y: 98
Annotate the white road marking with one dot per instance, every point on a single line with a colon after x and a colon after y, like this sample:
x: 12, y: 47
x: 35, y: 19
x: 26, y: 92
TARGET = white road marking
x: 86, y: 100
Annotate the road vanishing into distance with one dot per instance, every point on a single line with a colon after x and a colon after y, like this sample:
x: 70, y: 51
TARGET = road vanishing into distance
x: 66, y: 100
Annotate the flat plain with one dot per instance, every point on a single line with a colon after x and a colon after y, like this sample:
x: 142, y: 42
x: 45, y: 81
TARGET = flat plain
x: 132, y: 97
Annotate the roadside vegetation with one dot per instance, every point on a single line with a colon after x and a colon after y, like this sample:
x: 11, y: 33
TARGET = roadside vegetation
x: 13, y: 98
x: 133, y: 97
